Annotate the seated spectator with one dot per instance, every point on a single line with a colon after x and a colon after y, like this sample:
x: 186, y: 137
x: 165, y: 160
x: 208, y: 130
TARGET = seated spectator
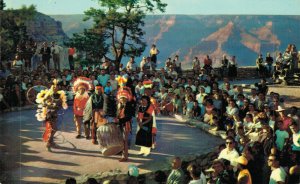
x: 189, y: 108
x: 282, y: 136
x: 294, y: 114
x: 244, y: 175
x: 230, y: 153
x: 296, y: 136
x: 208, y: 112
x: 220, y: 174
x: 231, y: 110
x: 177, y: 105
x: 195, y: 173
x: 278, y: 175
x: 176, y: 175
x: 160, y: 177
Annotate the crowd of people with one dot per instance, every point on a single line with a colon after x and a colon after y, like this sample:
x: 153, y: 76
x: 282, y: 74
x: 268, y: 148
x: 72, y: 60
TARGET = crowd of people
x: 282, y: 65
x: 263, y: 137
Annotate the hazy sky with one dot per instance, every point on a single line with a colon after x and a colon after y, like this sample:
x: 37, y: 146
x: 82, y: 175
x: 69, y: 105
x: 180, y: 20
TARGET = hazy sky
x: 261, y: 7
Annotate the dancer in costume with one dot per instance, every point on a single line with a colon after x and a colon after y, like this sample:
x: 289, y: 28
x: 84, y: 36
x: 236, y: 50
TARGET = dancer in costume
x: 81, y: 86
x: 125, y: 111
x: 145, y: 121
x: 50, y: 101
x: 93, y: 112
x: 148, y: 84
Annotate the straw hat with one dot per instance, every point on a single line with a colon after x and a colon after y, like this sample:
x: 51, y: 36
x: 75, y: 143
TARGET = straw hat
x: 242, y: 160
x: 280, y: 109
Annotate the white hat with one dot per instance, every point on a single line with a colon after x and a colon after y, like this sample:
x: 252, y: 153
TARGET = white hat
x: 280, y: 109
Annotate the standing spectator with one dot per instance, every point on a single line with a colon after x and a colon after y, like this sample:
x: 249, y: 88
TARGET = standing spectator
x: 269, y: 64
x: 35, y: 57
x: 153, y: 54
x: 131, y: 66
x: 27, y: 55
x: 103, y: 78
x: 224, y: 66
x: 17, y: 63
x: 176, y: 176
x: 46, y: 55
x: 207, y: 64
x: 196, y: 65
x: 71, y: 52
x: 260, y: 66
x: 168, y: 64
x: 142, y: 64
x: 55, y: 51
x: 232, y: 68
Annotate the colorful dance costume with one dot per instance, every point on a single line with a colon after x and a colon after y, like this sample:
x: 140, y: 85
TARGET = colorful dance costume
x: 49, y: 103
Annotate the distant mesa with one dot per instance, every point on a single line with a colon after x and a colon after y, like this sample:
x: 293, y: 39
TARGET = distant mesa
x: 198, y: 35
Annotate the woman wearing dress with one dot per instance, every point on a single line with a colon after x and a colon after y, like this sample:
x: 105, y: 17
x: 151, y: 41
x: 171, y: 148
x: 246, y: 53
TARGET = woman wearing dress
x: 145, y: 123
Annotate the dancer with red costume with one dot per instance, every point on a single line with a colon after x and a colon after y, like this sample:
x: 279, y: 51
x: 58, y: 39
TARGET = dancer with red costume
x: 81, y: 86
x: 50, y: 101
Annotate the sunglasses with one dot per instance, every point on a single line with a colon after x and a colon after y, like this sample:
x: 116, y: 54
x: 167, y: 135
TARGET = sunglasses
x: 229, y: 142
x: 271, y: 160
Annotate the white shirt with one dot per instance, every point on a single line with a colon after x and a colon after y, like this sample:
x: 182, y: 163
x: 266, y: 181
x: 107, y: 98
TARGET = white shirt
x: 229, y: 155
x: 192, y: 86
x: 142, y: 64
x: 277, y: 175
x: 56, y: 49
x: 200, y: 97
x: 131, y: 66
x: 202, y: 180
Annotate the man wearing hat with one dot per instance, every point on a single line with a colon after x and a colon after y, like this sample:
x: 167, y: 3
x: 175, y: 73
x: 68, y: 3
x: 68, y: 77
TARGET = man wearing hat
x: 284, y: 118
x: 80, y: 100
x: 244, y: 174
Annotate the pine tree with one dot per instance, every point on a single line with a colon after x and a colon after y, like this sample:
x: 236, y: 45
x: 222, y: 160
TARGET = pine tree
x: 121, y: 22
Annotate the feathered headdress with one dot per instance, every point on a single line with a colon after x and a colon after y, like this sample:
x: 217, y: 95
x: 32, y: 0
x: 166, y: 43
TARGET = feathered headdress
x: 43, y: 96
x: 122, y: 80
x: 84, y: 82
x: 124, y: 92
x: 148, y: 84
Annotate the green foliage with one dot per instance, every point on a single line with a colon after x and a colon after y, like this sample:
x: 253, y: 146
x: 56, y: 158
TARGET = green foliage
x: 90, y: 42
x: 2, y: 5
x: 121, y: 22
x: 13, y: 29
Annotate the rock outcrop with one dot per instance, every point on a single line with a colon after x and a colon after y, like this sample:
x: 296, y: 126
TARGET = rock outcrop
x: 45, y: 28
